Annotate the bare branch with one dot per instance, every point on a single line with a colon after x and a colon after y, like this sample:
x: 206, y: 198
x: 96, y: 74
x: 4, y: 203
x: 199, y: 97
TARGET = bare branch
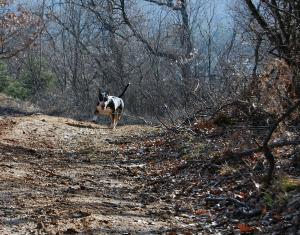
x: 261, y: 21
x: 171, y: 56
x: 167, y: 4
x: 279, y: 120
x: 278, y: 144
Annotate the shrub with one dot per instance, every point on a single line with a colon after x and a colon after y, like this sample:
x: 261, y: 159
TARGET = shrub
x: 11, y: 86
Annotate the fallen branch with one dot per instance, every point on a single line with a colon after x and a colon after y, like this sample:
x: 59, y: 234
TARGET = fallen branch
x: 266, y: 150
x: 250, y: 213
x: 213, y: 199
x: 249, y: 152
x: 139, y: 118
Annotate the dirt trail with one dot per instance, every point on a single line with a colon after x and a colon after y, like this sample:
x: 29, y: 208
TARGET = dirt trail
x: 60, y: 176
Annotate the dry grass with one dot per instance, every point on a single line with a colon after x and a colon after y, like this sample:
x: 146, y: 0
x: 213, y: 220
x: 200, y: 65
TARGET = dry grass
x: 10, y: 105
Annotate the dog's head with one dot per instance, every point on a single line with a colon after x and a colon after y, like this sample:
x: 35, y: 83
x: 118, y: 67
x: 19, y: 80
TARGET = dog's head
x: 102, y: 100
x: 103, y: 96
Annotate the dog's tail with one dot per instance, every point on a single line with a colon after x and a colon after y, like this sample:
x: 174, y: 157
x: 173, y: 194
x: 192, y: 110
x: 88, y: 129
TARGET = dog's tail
x: 124, y: 90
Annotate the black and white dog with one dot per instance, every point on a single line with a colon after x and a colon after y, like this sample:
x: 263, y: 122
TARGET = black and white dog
x: 112, y: 106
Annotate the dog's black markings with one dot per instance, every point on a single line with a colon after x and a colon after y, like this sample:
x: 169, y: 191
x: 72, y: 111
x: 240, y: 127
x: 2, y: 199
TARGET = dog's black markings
x: 112, y: 106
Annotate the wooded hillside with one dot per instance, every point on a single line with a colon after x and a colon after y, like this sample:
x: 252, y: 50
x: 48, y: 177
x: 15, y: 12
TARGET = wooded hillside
x: 210, y: 130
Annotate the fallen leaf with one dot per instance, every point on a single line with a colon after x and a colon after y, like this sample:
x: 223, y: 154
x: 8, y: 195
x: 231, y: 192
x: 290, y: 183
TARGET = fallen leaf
x: 277, y: 217
x: 201, y: 212
x: 245, y: 228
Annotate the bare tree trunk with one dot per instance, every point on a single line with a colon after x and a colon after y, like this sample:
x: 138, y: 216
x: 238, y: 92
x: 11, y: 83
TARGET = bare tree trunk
x: 186, y: 41
x: 116, y: 50
x: 185, y: 37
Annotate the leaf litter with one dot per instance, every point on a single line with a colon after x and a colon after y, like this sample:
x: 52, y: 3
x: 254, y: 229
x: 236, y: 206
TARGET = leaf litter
x: 61, y: 176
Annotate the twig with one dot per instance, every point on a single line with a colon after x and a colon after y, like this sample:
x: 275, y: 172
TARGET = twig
x: 138, y: 117
x: 266, y: 150
x: 249, y: 152
x: 228, y: 199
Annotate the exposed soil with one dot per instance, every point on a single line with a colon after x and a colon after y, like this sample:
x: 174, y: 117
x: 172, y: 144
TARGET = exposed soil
x: 61, y: 176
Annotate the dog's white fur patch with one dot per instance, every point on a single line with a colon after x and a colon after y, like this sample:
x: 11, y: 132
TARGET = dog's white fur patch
x: 117, y: 101
x: 103, y: 109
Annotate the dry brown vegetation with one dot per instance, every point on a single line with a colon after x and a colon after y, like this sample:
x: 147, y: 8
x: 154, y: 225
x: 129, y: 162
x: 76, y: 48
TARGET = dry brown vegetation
x: 224, y: 157
x: 62, y: 176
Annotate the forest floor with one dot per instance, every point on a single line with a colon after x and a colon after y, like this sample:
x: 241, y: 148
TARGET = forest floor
x: 62, y: 176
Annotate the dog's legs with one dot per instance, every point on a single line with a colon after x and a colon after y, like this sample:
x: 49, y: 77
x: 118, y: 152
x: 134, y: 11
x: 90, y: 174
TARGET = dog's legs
x: 118, y: 115
x: 94, y: 118
x: 113, y: 121
x: 117, y: 118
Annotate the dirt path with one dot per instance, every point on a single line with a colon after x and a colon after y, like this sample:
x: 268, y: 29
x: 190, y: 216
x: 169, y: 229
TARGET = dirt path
x: 60, y: 176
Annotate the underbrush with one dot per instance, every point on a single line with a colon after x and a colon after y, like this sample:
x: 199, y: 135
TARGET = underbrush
x: 222, y: 193
x: 13, y: 106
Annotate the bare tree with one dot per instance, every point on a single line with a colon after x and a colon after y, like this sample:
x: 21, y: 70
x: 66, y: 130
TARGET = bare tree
x: 274, y: 24
x: 18, y: 29
x: 91, y: 44
x: 279, y: 21
x: 185, y: 35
